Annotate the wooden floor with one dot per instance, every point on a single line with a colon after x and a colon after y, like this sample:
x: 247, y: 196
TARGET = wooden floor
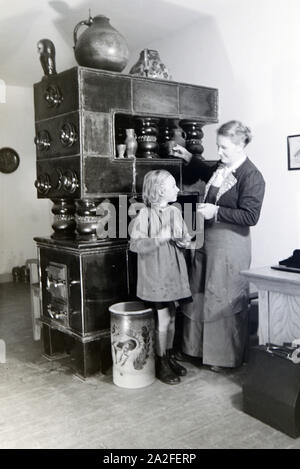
x: 43, y: 405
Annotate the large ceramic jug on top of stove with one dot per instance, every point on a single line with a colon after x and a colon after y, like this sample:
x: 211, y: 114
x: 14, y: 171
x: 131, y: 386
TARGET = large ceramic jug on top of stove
x: 100, y: 45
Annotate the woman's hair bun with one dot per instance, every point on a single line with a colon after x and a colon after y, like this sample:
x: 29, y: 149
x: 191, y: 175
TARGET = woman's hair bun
x: 237, y: 131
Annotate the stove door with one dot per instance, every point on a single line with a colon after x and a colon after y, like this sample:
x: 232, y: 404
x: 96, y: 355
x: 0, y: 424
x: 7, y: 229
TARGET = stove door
x: 57, y: 293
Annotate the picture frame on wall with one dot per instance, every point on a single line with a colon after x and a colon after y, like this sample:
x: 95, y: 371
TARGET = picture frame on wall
x: 293, y: 148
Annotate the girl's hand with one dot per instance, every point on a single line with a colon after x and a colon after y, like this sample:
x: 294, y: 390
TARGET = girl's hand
x: 164, y: 234
x: 208, y: 211
x: 183, y: 243
x: 181, y: 152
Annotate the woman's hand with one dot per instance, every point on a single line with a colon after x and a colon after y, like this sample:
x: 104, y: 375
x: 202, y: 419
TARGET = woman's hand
x: 181, y: 152
x: 208, y: 211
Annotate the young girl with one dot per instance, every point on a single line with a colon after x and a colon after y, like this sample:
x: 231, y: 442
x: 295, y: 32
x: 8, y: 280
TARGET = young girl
x: 157, y: 235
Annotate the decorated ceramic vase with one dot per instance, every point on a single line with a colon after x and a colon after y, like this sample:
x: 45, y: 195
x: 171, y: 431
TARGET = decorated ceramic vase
x: 131, y: 143
x: 149, y: 65
x: 132, y: 344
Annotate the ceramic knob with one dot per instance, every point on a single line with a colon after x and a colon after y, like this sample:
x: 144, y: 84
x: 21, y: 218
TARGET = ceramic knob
x: 70, y: 181
x: 68, y: 134
x: 43, y: 184
x: 42, y: 140
x: 58, y: 179
x: 53, y: 96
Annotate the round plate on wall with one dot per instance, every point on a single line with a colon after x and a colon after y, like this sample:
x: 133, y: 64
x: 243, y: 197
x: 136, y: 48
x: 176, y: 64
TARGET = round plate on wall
x: 9, y: 160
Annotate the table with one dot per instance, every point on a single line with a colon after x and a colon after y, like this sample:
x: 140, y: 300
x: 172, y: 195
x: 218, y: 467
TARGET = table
x: 278, y: 304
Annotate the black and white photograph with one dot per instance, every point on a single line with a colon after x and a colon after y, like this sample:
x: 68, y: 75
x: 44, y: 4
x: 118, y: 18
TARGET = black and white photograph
x: 150, y: 227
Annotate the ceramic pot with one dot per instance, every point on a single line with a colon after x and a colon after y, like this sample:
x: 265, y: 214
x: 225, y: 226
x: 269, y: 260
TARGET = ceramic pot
x: 132, y: 344
x: 149, y: 65
x: 100, y: 45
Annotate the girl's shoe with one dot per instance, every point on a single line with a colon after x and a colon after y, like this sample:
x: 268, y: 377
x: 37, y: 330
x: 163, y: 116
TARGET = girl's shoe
x: 164, y: 372
x: 178, y: 369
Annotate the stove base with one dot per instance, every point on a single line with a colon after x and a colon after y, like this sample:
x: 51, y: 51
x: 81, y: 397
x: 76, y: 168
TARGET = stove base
x: 88, y: 355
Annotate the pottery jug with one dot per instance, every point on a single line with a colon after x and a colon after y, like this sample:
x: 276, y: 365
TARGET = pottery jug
x: 149, y: 65
x: 100, y: 45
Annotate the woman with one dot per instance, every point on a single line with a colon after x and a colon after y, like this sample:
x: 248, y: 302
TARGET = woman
x: 215, y: 323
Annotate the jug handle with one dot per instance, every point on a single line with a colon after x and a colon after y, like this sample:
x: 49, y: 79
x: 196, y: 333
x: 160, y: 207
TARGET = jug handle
x: 81, y: 23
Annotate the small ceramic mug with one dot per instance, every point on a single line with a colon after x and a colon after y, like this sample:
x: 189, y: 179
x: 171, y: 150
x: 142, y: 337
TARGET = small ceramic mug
x: 121, y: 150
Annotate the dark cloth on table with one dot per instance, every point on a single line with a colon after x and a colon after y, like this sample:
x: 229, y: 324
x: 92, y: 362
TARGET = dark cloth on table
x: 292, y: 261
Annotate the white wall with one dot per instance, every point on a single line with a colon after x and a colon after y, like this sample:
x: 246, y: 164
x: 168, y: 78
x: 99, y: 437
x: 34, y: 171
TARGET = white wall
x: 22, y: 215
x: 250, y: 51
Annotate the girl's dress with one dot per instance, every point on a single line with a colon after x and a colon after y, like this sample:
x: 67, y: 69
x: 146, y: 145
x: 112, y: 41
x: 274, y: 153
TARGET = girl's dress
x: 162, y: 270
